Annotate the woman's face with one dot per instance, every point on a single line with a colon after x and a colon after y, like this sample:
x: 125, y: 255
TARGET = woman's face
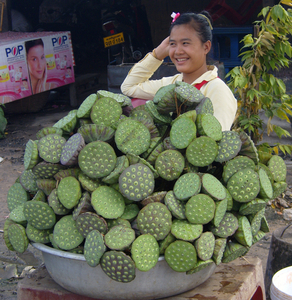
x: 36, y: 61
x: 187, y: 51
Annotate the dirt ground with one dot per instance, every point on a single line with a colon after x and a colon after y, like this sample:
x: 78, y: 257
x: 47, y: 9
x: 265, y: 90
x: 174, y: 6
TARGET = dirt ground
x: 21, y: 128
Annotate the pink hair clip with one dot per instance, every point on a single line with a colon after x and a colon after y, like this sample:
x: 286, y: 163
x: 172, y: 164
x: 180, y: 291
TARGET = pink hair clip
x: 174, y: 16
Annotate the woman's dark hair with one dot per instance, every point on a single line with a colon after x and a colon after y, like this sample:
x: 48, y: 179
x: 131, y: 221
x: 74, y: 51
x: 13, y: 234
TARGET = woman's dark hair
x: 32, y: 43
x: 201, y: 22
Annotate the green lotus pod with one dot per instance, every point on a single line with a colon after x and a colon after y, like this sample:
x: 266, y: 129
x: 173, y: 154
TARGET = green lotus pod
x: 106, y: 111
x: 167, y: 145
x: 205, y: 245
x: 205, y: 106
x: 46, y: 170
x: 123, y: 100
x: 71, y: 150
x: 85, y: 107
x: 31, y: 155
x: 69, y: 192
x: 202, y: 151
x: 119, y: 237
x: 28, y: 181
x: 191, y: 114
x: 132, y: 136
x: 17, y: 237
x: 266, y: 188
x: 220, y: 210
x: 213, y: 187
x: 40, y: 196
x: 186, y: 186
x: 252, y: 207
x: 278, y: 168
x: 181, y: 256
x: 16, y: 196
x: 229, y: 146
x: 94, y: 248
x: 88, y: 221
x: 56, y: 205
x: 164, y: 99
x: 260, y: 235
x: 232, y: 251
x: 17, y: 215
x: 208, y: 125
x: 243, y: 234
x: 264, y: 225
x: 279, y: 188
x: 67, y: 172
x: 188, y: 127
x: 163, y: 244
x: 268, y: 171
x: 155, y: 197
x: 154, y: 142
x: 83, y: 206
x: 67, y: 123
x: 264, y: 156
x: 136, y: 182
x: 220, y: 244
x: 145, y: 252
x: 52, y: 241
x: 158, y: 118
x: 121, y: 165
x: 108, y: 202
x: 96, y: 132
x: 119, y: 221
x: 87, y: 183
x: 255, y: 221
x: 200, y: 265
x: 140, y: 114
x: 118, y: 266
x: 244, y: 185
x: 236, y: 164
x: 77, y: 250
x: 170, y: 164
x: 154, y: 153
x: 189, y: 168
x: 66, y: 234
x: 48, y: 130
x: 248, y: 147
x: 7, y: 223
x: 131, y: 211
x: 186, y: 231
x: 97, y: 159
x: 227, y: 226
x: 46, y: 185
x: 50, y: 147
x: 200, y: 209
x: 37, y: 235
x: 229, y: 200
x: 156, y: 219
x: 175, y: 206
x: 188, y: 95
x: 39, y: 214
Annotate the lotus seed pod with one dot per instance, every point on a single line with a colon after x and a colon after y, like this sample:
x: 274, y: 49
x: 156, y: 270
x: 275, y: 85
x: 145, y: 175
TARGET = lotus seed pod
x: 205, y: 106
x: 97, y: 159
x: 227, y: 226
x: 48, y: 130
x: 220, y: 210
x: 16, y: 196
x: 244, y: 185
x: 156, y: 115
x: 38, y: 235
x: 31, y: 155
x: 46, y: 185
x: 119, y: 237
x: 96, y: 132
x: 131, y: 211
x: 279, y: 188
x: 252, y: 207
x: 67, y: 123
x: 121, y: 165
x: 67, y: 172
x: 220, y: 244
x: 17, y: 237
x: 163, y: 244
x: 56, y: 205
x: 208, y: 125
x: 155, y: 197
x: 145, y: 252
x: 123, y: 100
x: 213, y: 187
x: 85, y: 107
x: 260, y: 235
x: 165, y: 100
x: 264, y: 225
x: 7, y: 223
x: 184, y: 230
x: 87, y: 183
x: 71, y: 150
x: 69, y: 192
x: 243, y: 234
x: 266, y: 188
x: 248, y: 147
x: 200, y: 265
x: 88, y: 221
x: 50, y: 147
x: 156, y: 219
x: 175, y: 206
x: 181, y: 256
x: 170, y: 164
x: 45, y: 170
x: 205, y: 245
x: 17, y: 215
x: 255, y: 221
x: 278, y: 168
x: 136, y: 182
x: 108, y: 202
x: 232, y: 251
x: 83, y: 206
x: 118, y: 266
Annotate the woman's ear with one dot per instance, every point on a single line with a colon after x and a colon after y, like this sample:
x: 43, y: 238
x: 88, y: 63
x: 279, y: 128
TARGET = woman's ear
x: 207, y: 47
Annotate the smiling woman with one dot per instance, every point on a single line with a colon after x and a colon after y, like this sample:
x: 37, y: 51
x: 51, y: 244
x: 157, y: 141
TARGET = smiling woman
x: 188, y: 45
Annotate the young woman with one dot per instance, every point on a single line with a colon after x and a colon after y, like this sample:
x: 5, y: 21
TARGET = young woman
x: 188, y: 44
x: 37, y: 65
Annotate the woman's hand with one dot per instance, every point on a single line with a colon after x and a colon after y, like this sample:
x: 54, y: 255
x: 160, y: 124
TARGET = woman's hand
x: 162, y: 50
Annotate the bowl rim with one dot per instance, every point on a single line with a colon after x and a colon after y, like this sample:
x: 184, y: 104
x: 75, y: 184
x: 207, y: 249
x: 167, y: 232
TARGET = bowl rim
x: 65, y: 254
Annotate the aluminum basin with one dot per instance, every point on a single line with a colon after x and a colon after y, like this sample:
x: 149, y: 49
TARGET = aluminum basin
x: 72, y: 272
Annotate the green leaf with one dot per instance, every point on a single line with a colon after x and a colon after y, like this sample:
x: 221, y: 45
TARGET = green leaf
x: 280, y: 131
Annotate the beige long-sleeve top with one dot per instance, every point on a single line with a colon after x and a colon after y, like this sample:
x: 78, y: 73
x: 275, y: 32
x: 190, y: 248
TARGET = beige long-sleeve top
x: 138, y: 85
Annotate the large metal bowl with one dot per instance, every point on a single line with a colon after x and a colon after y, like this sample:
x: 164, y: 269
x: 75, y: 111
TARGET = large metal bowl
x: 72, y: 272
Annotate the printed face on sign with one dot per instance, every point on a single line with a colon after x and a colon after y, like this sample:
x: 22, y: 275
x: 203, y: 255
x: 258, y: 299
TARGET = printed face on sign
x: 36, y: 61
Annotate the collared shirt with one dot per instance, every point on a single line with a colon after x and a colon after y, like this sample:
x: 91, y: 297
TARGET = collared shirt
x: 138, y: 85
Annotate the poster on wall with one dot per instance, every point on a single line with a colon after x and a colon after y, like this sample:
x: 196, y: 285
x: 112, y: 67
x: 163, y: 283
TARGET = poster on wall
x: 31, y: 63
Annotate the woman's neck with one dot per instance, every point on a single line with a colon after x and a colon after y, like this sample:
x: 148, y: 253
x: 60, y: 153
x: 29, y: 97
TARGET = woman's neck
x: 191, y: 77
x: 34, y: 83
